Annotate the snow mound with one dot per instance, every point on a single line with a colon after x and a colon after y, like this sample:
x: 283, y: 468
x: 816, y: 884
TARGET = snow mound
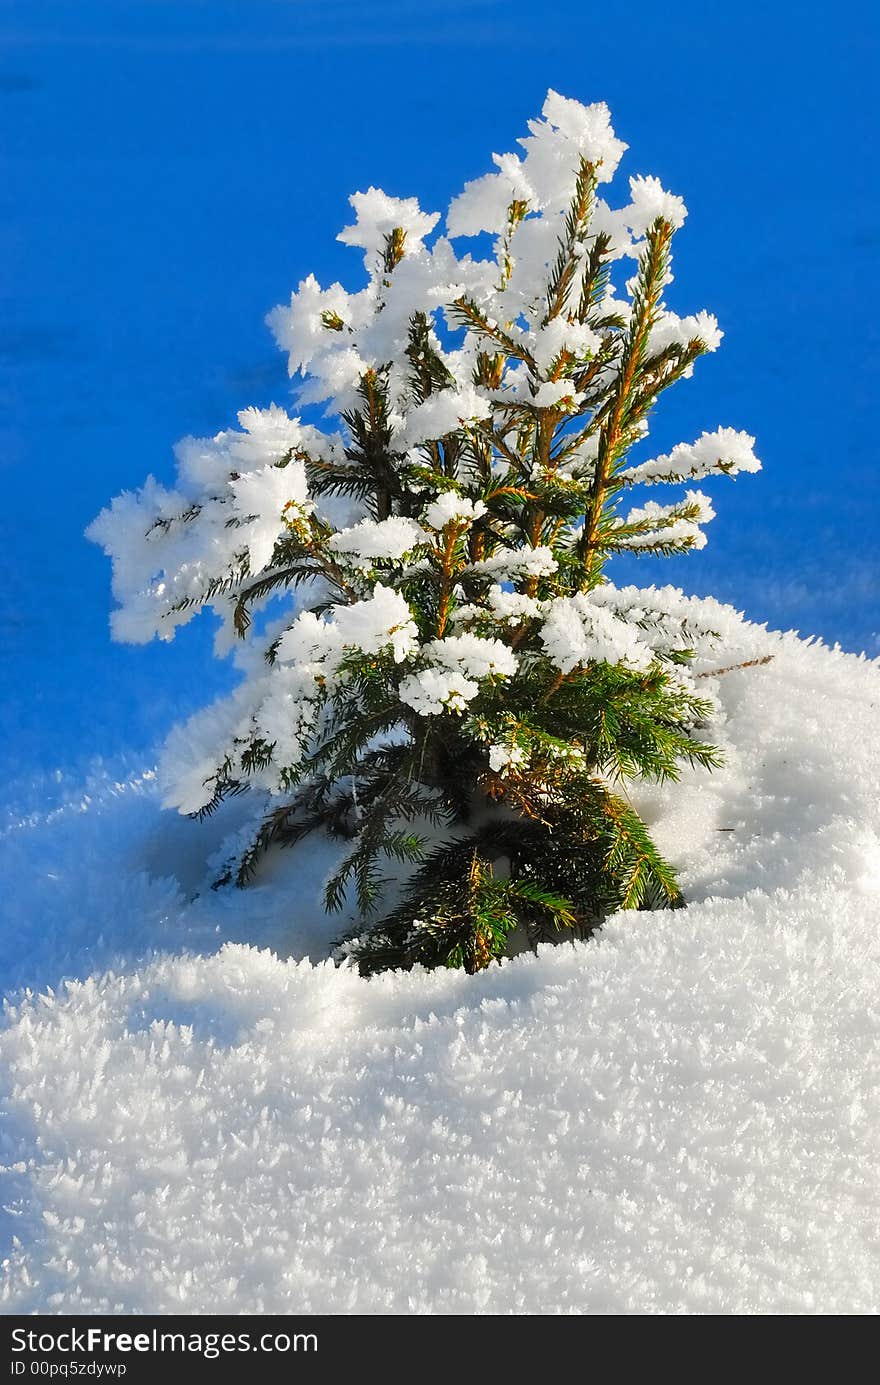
x: 674, y: 1118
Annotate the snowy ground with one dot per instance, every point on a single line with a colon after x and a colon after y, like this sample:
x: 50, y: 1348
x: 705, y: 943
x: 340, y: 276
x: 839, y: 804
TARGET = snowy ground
x: 680, y: 1117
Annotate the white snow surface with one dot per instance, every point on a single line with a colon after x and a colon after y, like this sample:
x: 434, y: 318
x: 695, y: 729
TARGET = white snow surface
x: 678, y: 1117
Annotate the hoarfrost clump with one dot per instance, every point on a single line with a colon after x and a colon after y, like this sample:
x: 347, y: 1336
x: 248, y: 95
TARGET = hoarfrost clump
x: 453, y: 682
x: 725, y: 450
x: 450, y: 508
x: 391, y: 538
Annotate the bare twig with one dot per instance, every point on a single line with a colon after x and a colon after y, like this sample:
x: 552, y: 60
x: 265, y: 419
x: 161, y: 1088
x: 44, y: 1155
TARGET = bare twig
x: 732, y: 668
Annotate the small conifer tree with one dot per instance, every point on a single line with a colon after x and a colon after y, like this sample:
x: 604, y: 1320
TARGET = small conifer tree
x: 450, y: 681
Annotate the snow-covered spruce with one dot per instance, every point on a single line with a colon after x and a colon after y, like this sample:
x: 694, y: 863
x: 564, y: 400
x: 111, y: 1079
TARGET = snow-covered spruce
x: 453, y: 684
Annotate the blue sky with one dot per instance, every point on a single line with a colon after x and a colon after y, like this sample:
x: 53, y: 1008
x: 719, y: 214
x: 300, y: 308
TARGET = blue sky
x: 171, y: 169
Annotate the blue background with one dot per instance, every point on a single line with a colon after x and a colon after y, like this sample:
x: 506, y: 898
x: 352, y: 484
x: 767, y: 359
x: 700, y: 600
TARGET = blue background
x: 171, y: 169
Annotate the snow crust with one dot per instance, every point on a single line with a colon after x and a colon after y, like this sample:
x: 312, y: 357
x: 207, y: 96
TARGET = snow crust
x: 677, y: 1117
